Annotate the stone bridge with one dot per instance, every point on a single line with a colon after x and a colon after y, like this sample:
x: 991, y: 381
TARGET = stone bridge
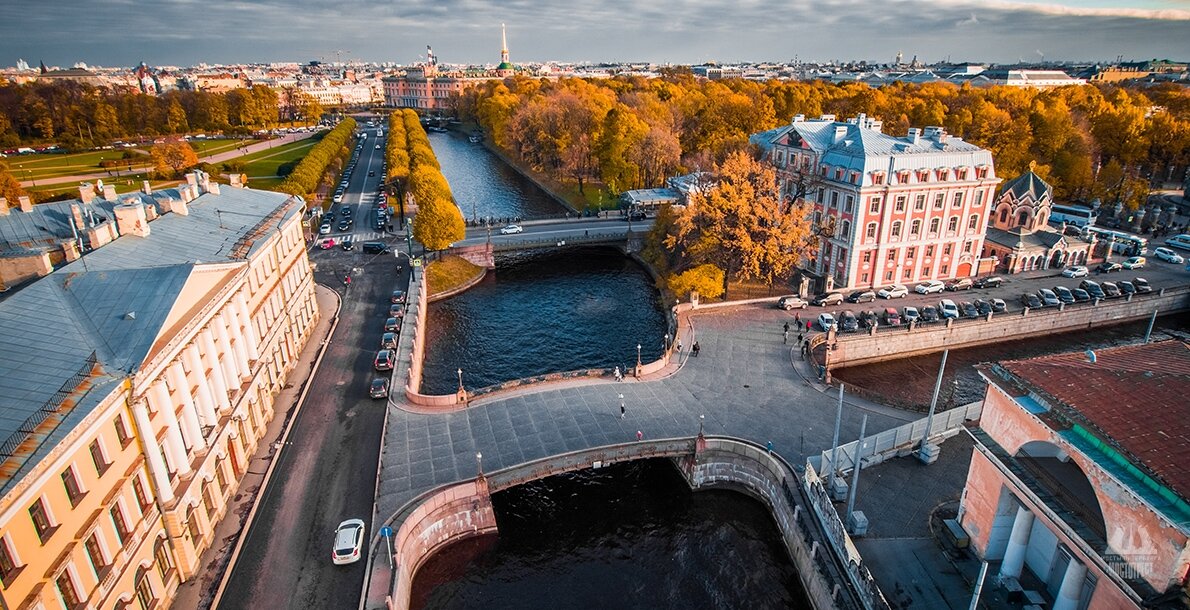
x: 484, y: 254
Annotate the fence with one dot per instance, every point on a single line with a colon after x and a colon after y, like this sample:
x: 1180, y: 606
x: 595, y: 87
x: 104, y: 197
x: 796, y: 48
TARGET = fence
x: 893, y: 442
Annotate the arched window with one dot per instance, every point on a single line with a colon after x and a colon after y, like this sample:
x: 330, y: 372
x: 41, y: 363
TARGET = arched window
x: 870, y: 234
x: 915, y: 228
x: 973, y: 222
x: 1022, y: 219
x: 953, y: 224
x: 896, y: 229
x: 1003, y: 214
x: 845, y: 229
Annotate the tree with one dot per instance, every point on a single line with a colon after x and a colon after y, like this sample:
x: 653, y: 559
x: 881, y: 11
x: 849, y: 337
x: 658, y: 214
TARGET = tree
x: 177, y: 117
x: 10, y: 187
x: 706, y: 280
x: 438, y: 223
x: 173, y: 157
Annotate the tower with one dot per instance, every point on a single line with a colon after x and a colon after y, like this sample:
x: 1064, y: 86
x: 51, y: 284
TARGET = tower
x: 505, y: 68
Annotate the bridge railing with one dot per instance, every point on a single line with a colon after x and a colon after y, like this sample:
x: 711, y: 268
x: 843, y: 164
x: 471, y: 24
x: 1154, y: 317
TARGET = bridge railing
x: 524, y: 243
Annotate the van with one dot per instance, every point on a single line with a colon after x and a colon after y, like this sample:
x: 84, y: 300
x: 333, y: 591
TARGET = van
x: 374, y: 247
x: 1181, y: 242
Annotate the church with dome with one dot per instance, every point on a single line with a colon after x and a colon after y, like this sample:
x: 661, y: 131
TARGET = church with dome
x: 427, y: 86
x: 1019, y: 235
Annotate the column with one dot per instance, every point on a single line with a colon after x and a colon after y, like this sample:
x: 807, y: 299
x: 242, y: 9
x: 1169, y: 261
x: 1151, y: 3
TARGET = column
x: 1014, y: 555
x: 175, y: 445
x: 237, y: 335
x: 252, y: 342
x: 206, y: 404
x: 177, y: 377
x: 157, y: 468
x: 211, y: 356
x: 231, y: 373
x: 1072, y: 586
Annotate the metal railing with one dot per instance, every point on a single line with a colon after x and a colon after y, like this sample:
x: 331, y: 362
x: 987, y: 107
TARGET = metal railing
x: 895, y: 439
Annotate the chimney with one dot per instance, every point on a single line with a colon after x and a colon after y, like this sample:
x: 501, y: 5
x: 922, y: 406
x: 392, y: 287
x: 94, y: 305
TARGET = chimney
x: 131, y: 220
x: 146, y: 188
x: 840, y: 132
x: 827, y: 117
x: 192, y: 180
x: 70, y: 250
x: 237, y: 181
x: 109, y: 192
x: 178, y: 206
x: 151, y: 213
x: 86, y: 192
x: 3, y: 206
x: 25, y: 203
x: 204, y: 182
x: 187, y: 196
x: 76, y: 211
x: 213, y: 188
x: 937, y: 134
x: 914, y: 134
x: 799, y: 118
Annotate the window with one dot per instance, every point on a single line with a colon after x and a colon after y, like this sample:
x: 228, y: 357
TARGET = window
x: 144, y: 592
x: 8, y: 562
x: 94, y: 553
x: 952, y: 225
x: 165, y: 563
x: 865, y: 278
x: 973, y: 222
x: 848, y: 203
x: 70, y: 596
x: 208, y: 502
x: 71, y: 483
x: 821, y: 195
x: 122, y: 531
x: 929, y: 251
x: 834, y: 199
x: 874, y: 205
x: 122, y: 432
x: 892, y: 255
x: 910, y: 253
x: 888, y: 276
x: 939, y: 201
x: 919, y: 203
x: 946, y: 250
x: 944, y: 268
x: 896, y: 229
x: 967, y: 247
x: 1003, y: 215
x: 220, y: 476
x: 98, y: 457
x: 192, y: 525
x: 138, y: 490
x: 915, y: 228
x: 868, y: 256
x: 41, y: 520
x: 957, y: 202
x: 908, y: 274
x: 934, y: 224
x: 839, y: 174
x: 871, y: 232
x: 877, y: 178
x: 978, y: 198
x: 845, y: 229
x: 900, y: 203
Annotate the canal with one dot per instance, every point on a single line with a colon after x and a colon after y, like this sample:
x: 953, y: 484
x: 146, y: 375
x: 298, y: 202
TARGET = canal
x: 486, y: 187
x: 628, y: 536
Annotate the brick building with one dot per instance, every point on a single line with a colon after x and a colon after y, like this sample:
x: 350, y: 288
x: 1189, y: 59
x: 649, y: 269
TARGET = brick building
x: 1078, y: 486
x: 887, y: 209
x: 1020, y: 237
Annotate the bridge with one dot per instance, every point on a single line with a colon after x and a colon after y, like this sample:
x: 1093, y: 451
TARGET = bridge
x: 483, y: 243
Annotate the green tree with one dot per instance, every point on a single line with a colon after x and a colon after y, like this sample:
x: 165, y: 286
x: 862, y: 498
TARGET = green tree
x: 177, y: 117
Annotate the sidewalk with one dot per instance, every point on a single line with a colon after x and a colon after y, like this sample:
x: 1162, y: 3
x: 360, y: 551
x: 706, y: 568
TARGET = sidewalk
x: 200, y: 590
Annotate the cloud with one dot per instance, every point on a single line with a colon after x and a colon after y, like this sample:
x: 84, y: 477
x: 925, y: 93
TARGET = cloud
x: 972, y: 20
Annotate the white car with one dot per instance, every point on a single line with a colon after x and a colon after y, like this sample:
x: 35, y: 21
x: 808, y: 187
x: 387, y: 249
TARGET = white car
x: 930, y: 287
x: 947, y: 309
x: 1079, y: 271
x: 349, y: 539
x: 511, y: 229
x: 826, y: 321
x: 896, y: 291
x: 1168, y: 255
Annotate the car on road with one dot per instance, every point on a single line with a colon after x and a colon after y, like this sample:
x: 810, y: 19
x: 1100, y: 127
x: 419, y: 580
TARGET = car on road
x: 325, y: 229
x: 1076, y: 271
x: 371, y: 173
x: 379, y: 388
x: 345, y: 224
x: 1168, y: 255
x: 347, y: 244
x: 930, y: 287
x: 929, y: 313
x: 1048, y: 297
x: 868, y: 319
x: 1080, y: 295
x: 947, y: 309
x: 1093, y: 288
x: 848, y: 323
x: 392, y: 325
x: 511, y: 230
x: 991, y: 281
x: 999, y: 306
x: 396, y: 310
x: 338, y: 198
x: 791, y: 302
x: 963, y: 283
x: 983, y: 307
x: 1142, y: 285
x: 1126, y: 288
x: 911, y: 315
x: 384, y: 360
x: 349, y: 539
x: 891, y: 317
x: 1064, y: 294
x: 896, y: 291
x: 826, y: 322
x: 388, y: 341
x: 327, y: 244
x: 398, y: 296
x: 1134, y: 262
x: 825, y: 300
x: 375, y: 247
x: 1111, y: 290
x: 1108, y: 267
x: 1031, y: 301
x: 969, y: 310
x: 861, y: 296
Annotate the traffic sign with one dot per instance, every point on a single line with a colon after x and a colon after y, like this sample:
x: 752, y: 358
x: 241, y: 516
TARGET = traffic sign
x: 386, y: 532
x: 417, y: 262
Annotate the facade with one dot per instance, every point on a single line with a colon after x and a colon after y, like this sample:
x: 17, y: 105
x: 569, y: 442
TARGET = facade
x: 1021, y: 238
x: 425, y: 87
x: 1078, y: 488
x: 1032, y: 79
x: 135, y: 384
x: 886, y: 209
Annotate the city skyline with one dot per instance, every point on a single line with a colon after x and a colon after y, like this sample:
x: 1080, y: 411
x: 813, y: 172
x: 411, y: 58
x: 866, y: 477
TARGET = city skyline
x: 126, y: 32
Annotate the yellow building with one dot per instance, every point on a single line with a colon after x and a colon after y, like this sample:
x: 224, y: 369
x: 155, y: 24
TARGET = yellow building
x: 135, y: 383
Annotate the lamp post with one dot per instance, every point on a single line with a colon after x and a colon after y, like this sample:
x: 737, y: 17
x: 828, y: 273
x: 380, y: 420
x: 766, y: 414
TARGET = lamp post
x: 638, y: 360
x: 460, y: 380
x: 409, y: 244
x: 479, y: 462
x: 701, y: 420
x: 666, y: 344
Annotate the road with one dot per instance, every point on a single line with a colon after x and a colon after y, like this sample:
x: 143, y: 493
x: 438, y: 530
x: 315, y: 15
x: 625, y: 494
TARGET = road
x: 554, y: 229
x: 327, y: 471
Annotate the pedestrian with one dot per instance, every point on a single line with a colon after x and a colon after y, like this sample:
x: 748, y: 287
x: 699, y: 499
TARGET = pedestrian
x: 785, y: 337
x: 619, y: 375
x: 679, y: 346
x: 696, y: 348
x: 640, y: 435
x: 787, y: 327
x: 621, y: 410
x: 797, y: 319
x: 800, y: 337
x: 769, y: 446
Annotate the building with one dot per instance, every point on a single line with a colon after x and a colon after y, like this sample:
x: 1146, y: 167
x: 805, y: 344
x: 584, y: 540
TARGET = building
x: 1033, y: 79
x: 1020, y: 237
x: 135, y: 384
x: 426, y: 87
x: 1078, y: 488
x: 886, y: 209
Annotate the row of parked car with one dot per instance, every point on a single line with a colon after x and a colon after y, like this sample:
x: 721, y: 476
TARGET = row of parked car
x: 896, y: 291
x: 849, y: 321
x: 386, y: 358
x: 1087, y: 291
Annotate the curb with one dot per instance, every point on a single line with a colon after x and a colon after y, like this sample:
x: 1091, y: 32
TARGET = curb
x: 264, y: 484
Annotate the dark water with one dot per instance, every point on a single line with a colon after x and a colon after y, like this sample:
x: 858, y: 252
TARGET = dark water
x: 484, y: 186
x: 628, y: 536
x: 910, y: 381
x: 545, y: 312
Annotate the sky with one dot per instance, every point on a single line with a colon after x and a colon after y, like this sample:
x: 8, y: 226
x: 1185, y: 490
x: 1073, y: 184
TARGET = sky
x: 188, y: 32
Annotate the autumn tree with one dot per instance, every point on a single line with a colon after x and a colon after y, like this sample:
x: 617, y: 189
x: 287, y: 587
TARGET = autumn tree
x: 706, y: 280
x: 438, y: 223
x: 10, y: 187
x: 173, y: 157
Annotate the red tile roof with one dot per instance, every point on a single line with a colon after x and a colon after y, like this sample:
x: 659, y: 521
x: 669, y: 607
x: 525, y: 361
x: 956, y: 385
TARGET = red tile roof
x: 1138, y: 396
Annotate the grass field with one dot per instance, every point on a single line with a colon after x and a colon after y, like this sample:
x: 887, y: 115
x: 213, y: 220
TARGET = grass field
x: 39, y: 166
x: 261, y: 167
x: 123, y: 185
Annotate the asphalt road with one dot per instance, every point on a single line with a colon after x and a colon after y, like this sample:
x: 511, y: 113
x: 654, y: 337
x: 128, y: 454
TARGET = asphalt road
x: 327, y: 472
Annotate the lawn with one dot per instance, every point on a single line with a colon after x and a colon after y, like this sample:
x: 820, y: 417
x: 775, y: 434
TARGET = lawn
x: 33, y: 167
x: 123, y: 185
x: 261, y: 167
x: 205, y: 148
x: 450, y: 272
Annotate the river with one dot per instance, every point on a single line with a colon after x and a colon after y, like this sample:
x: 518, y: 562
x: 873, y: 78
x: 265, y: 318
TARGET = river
x: 486, y: 187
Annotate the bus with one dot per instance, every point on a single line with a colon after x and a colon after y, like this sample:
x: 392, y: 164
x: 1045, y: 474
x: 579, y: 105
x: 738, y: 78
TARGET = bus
x: 1075, y: 215
x: 1124, y: 243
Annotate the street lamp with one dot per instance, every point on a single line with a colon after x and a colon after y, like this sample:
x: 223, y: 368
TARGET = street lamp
x: 638, y: 359
x: 701, y: 420
x: 479, y: 462
x: 666, y: 345
x: 460, y: 380
x: 409, y: 244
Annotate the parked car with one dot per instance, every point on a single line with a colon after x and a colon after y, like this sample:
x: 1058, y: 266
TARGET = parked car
x: 1031, y: 301
x: 1133, y: 262
x: 891, y: 317
x: 325, y: 229
x: 398, y: 296
x: 868, y: 319
x: 1063, y: 293
x: 379, y: 388
x: 826, y: 321
x: 896, y: 291
x: 396, y: 310
x: 910, y: 315
x: 1080, y: 295
x: 1108, y: 267
x: 991, y: 281
x: 1142, y: 285
x: 388, y: 341
x: 963, y: 283
x: 983, y: 307
x: 1168, y: 255
x: 349, y: 538
x: 1092, y: 289
x: 947, y: 309
x: 511, y: 229
x: 385, y: 359
x: 392, y: 325
x: 861, y: 296
x: 999, y: 306
x: 1126, y: 288
x: 1048, y: 298
x: 347, y: 244
x: 825, y: 300
x: 1074, y: 272
x: 929, y: 313
x: 930, y: 287
x: 327, y: 244
x: 791, y: 302
x: 1111, y: 290
x: 344, y: 224
x: 848, y: 323
x: 968, y: 309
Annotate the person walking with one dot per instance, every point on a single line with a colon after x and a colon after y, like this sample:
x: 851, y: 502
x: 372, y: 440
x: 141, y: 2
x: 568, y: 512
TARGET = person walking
x: 640, y: 435
x: 621, y: 410
x: 785, y: 337
x: 800, y: 337
x: 696, y: 349
x: 619, y: 375
x: 787, y: 327
x: 797, y: 319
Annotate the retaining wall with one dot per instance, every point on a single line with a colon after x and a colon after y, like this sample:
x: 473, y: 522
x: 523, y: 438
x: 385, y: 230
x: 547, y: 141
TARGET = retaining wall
x: 850, y: 350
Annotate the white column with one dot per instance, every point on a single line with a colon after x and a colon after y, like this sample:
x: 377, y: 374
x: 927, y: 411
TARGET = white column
x: 211, y: 355
x: 206, y: 404
x: 177, y: 377
x: 231, y: 372
x: 252, y: 341
x: 157, y: 468
x: 1018, y: 542
x: 175, y: 446
x: 241, y: 353
x: 1072, y: 586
